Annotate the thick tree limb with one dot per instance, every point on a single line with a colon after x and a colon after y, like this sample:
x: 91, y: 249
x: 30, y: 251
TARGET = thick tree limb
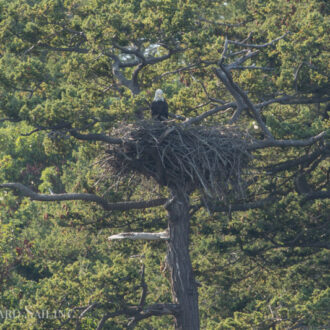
x: 140, y: 62
x: 120, y: 206
x: 285, y: 100
x: 286, y: 143
x: 240, y: 96
x: 129, y: 83
x: 144, y: 236
x: 323, y: 194
x: 95, y: 137
x: 76, y: 134
x: 130, y: 51
x: 239, y: 101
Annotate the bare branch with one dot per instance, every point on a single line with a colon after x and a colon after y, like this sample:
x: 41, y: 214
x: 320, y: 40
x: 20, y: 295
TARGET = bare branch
x: 252, y: 67
x: 108, y: 316
x: 73, y: 132
x: 206, y: 114
x: 130, y: 84
x: 120, y: 206
x: 154, y: 60
x: 285, y: 100
x: 293, y: 99
x: 136, y: 73
x: 286, y: 143
x: 322, y: 194
x: 185, y: 68
x: 154, y: 310
x: 224, y: 52
x: 240, y: 95
x: 131, y: 50
x: 144, y: 236
x: 241, y: 60
x: 95, y: 137
x: 212, y: 99
x: 86, y: 309
x: 139, y: 314
x: 304, y: 160
x: 241, y: 44
x: 141, y: 62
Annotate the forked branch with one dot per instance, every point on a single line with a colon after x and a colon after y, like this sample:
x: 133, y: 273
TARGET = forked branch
x: 242, y: 44
x: 240, y: 97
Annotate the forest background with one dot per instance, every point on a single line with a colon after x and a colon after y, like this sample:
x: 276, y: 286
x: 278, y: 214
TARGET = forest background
x: 73, y: 73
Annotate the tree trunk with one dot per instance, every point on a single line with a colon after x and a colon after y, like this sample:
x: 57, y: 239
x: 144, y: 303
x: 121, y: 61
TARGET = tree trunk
x: 184, y: 288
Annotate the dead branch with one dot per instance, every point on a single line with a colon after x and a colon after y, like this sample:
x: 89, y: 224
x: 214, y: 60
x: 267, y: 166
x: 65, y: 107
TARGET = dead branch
x: 143, y: 236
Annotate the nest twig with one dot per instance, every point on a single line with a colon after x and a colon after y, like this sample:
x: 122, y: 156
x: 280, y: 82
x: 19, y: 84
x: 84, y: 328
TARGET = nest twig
x: 207, y: 158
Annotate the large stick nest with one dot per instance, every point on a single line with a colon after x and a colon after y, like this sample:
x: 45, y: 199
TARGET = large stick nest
x: 207, y: 158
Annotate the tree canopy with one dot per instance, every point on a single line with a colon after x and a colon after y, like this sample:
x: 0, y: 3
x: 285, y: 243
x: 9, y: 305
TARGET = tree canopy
x: 76, y: 76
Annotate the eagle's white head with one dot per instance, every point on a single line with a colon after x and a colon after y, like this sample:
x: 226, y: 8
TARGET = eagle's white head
x: 159, y: 95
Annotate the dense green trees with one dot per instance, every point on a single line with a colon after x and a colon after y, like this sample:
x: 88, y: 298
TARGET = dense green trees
x: 72, y: 73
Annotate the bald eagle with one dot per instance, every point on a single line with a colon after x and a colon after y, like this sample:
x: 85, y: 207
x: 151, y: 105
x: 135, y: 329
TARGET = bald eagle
x: 159, y: 107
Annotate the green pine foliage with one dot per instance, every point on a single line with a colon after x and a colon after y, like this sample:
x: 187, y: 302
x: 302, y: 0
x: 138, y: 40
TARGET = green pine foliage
x: 258, y: 269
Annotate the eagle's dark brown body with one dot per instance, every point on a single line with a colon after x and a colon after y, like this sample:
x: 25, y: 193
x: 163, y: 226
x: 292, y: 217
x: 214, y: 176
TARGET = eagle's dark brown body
x: 159, y: 110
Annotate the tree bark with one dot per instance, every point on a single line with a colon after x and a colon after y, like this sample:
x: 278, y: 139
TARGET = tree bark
x: 184, y: 288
